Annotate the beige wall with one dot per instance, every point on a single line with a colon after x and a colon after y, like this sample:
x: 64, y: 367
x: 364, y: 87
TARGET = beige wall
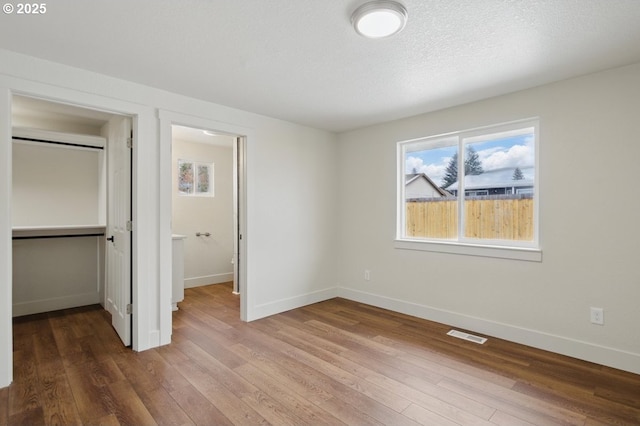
x: 589, y: 151
x: 207, y: 259
x: 57, y: 273
x: 55, y: 186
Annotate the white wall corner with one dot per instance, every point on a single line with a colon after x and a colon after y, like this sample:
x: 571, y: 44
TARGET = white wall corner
x: 611, y: 357
x: 283, y: 305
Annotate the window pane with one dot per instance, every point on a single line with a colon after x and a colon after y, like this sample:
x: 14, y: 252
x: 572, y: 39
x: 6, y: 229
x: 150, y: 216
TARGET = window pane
x: 185, y: 177
x: 499, y: 186
x: 204, y: 179
x: 431, y: 211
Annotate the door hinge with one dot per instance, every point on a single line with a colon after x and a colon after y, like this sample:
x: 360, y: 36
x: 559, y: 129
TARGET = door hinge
x: 129, y: 225
x: 129, y: 309
x: 129, y: 143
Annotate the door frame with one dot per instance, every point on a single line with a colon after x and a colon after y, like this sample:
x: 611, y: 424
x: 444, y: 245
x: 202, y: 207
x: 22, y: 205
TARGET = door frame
x: 144, y: 268
x: 167, y: 120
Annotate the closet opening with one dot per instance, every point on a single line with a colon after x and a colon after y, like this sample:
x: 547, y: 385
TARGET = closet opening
x: 71, y: 209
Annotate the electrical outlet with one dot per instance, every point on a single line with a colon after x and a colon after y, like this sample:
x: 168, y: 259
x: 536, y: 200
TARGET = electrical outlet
x: 367, y: 275
x: 597, y: 316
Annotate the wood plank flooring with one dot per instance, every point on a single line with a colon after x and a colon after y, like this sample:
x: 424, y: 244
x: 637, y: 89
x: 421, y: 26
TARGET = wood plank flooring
x: 332, y: 363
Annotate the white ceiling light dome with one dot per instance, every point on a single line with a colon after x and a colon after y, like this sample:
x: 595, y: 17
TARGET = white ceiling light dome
x: 378, y: 19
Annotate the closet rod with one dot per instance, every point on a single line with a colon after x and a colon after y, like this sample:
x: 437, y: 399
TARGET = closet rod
x: 34, y: 237
x: 77, y: 145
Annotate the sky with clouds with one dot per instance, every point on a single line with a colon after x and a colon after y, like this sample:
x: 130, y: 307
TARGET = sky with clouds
x: 498, y: 156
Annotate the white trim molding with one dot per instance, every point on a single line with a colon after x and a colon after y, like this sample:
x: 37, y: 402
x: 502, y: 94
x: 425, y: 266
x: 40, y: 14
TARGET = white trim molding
x: 500, y: 252
x: 55, y: 303
x: 6, y: 263
x: 208, y: 279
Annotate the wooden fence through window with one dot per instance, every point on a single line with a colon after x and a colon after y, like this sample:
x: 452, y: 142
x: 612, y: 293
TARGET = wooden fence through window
x: 490, y: 217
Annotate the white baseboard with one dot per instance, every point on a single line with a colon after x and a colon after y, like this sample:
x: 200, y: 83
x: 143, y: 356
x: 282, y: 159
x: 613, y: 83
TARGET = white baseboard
x: 208, y: 279
x: 283, y: 305
x: 55, y: 303
x: 611, y: 357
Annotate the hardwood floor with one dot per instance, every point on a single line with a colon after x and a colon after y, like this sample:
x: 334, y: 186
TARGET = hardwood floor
x: 335, y: 362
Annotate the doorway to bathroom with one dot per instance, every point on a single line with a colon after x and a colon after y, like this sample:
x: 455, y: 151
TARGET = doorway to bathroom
x: 204, y: 209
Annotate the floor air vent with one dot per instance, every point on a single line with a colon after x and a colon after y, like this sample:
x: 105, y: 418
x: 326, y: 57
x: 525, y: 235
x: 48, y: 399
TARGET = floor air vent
x: 467, y: 336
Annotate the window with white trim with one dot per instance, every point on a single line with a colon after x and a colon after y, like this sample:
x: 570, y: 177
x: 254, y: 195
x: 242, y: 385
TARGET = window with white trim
x: 493, y: 203
x: 195, y: 178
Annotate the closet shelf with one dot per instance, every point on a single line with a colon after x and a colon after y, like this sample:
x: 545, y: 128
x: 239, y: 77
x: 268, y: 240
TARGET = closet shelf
x: 57, y: 231
x: 68, y: 140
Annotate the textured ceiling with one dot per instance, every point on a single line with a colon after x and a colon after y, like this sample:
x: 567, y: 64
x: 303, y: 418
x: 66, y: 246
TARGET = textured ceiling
x: 300, y: 60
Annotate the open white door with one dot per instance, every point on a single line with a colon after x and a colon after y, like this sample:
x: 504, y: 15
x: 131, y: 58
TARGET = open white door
x: 118, y: 268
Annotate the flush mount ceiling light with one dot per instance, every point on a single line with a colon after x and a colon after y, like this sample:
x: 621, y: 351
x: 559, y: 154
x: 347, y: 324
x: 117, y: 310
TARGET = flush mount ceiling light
x: 210, y: 133
x: 378, y: 19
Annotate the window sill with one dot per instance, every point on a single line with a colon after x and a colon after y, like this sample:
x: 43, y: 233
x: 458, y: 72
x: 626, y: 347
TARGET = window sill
x: 513, y: 253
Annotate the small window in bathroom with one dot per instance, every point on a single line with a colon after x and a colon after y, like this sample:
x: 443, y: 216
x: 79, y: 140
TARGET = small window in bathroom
x: 195, y: 178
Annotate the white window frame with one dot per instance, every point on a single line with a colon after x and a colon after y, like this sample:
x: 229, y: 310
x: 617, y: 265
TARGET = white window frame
x: 195, y: 165
x: 506, y: 249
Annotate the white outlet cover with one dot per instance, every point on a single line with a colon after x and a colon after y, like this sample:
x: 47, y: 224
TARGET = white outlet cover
x: 597, y: 316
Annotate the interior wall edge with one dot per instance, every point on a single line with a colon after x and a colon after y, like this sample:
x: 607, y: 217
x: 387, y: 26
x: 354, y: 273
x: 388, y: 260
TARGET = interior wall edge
x: 6, y: 324
x: 287, y: 304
